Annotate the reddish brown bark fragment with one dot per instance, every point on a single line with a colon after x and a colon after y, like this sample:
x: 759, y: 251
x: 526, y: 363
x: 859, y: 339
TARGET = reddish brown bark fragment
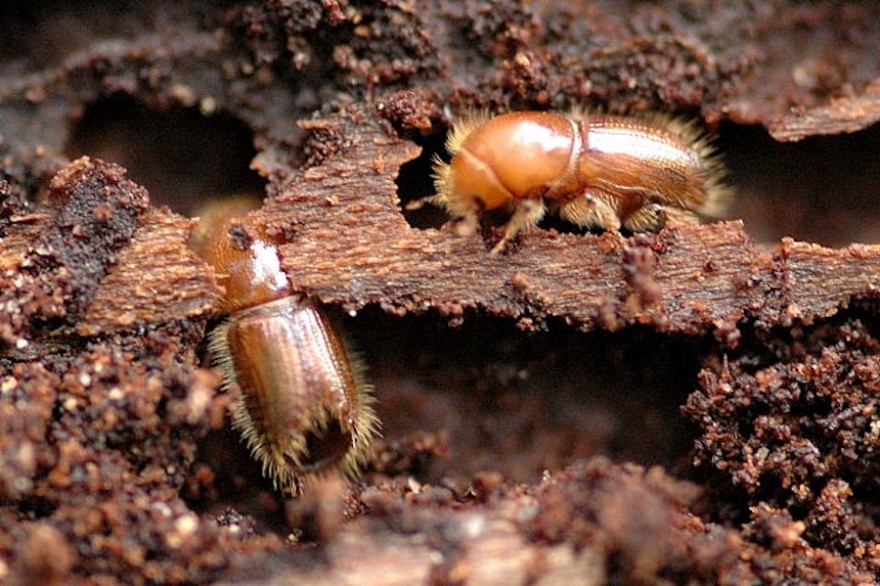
x: 156, y: 279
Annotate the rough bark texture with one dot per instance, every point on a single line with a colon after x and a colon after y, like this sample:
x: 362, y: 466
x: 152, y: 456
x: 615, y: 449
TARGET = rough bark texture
x: 693, y: 406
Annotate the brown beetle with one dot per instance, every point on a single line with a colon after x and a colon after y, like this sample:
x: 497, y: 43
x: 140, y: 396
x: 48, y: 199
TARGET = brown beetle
x: 304, y: 409
x: 595, y: 170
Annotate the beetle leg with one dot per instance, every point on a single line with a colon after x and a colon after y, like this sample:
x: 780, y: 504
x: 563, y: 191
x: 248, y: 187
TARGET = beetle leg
x: 648, y: 218
x: 652, y: 218
x: 590, y: 212
x: 579, y: 211
x: 527, y: 213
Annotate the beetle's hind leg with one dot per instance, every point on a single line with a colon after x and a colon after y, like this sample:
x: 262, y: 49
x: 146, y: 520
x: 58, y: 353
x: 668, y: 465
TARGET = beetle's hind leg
x: 590, y: 212
x: 653, y: 217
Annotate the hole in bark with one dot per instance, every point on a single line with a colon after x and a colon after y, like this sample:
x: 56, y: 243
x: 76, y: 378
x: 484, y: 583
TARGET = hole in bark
x: 416, y: 180
x: 823, y: 189
x: 182, y: 156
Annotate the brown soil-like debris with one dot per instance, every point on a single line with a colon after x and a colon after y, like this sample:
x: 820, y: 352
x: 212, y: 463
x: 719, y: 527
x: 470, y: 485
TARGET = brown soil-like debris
x: 693, y: 406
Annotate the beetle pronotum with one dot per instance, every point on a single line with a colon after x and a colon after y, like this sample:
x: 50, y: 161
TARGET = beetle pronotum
x: 595, y: 170
x: 304, y: 408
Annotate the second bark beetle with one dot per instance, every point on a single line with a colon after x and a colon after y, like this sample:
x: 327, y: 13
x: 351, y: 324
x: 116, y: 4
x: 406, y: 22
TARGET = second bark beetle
x: 304, y: 408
